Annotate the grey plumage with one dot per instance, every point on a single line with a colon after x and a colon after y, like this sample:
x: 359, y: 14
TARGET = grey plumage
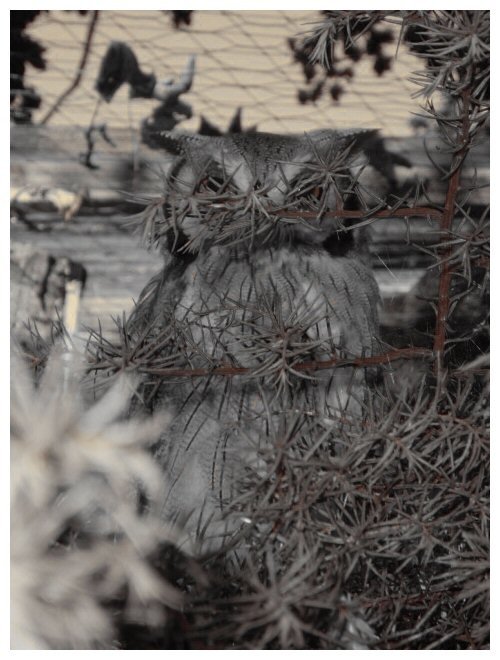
x: 264, y: 300
x: 264, y: 158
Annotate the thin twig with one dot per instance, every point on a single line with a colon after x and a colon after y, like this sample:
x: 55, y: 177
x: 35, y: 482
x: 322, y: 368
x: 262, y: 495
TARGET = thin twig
x: 446, y: 269
x: 404, y: 212
x: 79, y: 71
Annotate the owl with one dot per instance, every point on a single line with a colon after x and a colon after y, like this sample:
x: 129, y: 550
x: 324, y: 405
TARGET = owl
x: 260, y: 277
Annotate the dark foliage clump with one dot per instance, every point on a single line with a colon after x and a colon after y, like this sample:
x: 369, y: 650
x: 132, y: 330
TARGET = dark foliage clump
x: 333, y: 48
x: 459, y: 27
x: 181, y: 17
x: 23, y: 51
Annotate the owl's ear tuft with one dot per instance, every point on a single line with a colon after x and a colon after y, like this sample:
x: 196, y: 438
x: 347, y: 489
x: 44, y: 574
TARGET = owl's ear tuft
x: 172, y: 142
x: 178, y: 143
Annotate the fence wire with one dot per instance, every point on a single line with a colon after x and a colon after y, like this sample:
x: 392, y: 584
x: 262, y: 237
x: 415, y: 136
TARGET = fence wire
x: 243, y: 60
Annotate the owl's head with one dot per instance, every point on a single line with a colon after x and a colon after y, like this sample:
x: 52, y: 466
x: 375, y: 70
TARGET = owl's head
x: 257, y: 189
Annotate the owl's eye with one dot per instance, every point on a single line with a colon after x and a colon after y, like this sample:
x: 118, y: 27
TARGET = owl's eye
x: 315, y: 192
x: 211, y: 183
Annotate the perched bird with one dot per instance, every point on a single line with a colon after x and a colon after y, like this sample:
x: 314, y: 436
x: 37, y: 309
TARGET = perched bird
x: 248, y: 283
x: 271, y: 160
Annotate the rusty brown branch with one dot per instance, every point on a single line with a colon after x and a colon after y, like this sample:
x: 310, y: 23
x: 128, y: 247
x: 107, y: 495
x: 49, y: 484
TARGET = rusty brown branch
x: 402, y: 212
x: 79, y: 71
x: 230, y: 370
x: 446, y: 269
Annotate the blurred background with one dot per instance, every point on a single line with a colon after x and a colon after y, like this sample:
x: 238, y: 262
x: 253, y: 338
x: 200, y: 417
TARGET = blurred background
x: 243, y: 59
x: 76, y: 152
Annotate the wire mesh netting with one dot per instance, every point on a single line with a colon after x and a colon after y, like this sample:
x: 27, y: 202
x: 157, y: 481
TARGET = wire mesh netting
x: 243, y: 59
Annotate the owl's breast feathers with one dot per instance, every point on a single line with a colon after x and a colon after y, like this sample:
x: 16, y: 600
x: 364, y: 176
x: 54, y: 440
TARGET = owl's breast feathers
x: 250, y: 288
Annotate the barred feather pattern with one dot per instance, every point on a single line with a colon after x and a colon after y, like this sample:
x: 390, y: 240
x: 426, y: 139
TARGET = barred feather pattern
x: 264, y: 305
